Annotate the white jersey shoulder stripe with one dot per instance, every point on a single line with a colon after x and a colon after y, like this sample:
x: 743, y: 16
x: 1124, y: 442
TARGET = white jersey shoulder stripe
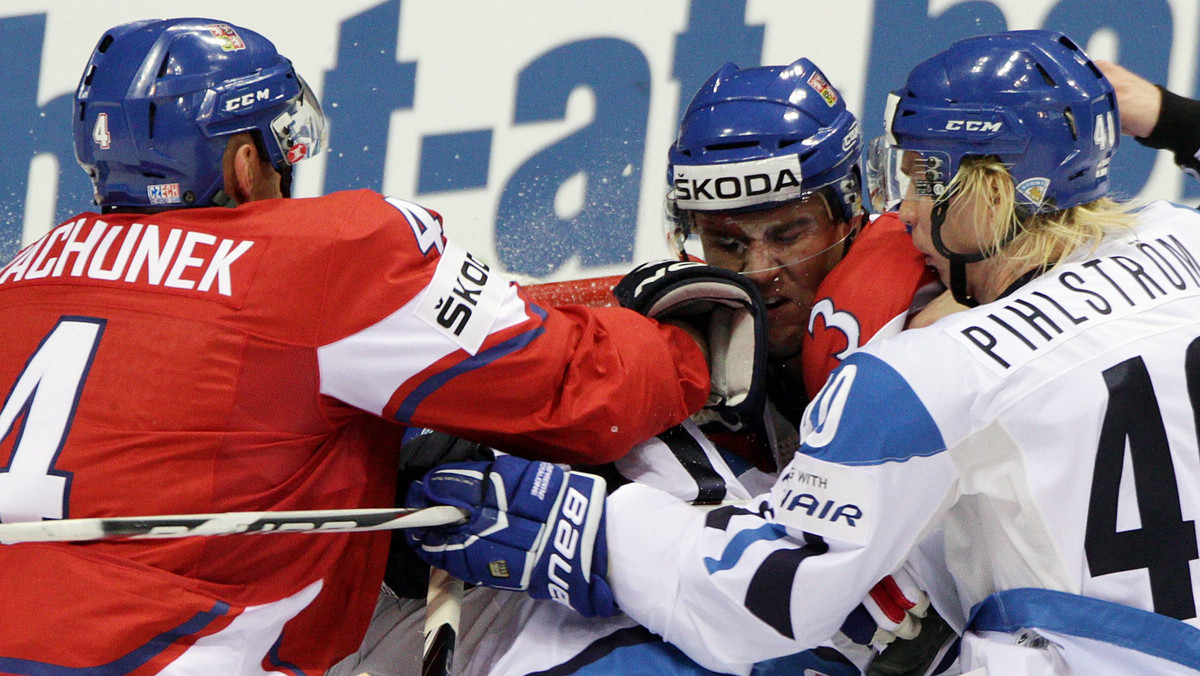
x: 366, y: 368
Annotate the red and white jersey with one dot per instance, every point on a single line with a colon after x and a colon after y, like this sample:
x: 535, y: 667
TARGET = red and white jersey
x: 268, y: 358
x: 867, y: 296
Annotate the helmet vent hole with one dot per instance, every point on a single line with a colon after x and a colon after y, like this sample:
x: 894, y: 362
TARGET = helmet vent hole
x: 153, y: 110
x: 104, y: 43
x: 82, y: 110
x: 1068, y: 43
x: 162, y: 67
x: 1046, y: 76
x: 788, y: 142
x: 151, y: 174
x: 1070, y: 117
x: 735, y: 145
x: 1077, y: 175
x: 87, y: 79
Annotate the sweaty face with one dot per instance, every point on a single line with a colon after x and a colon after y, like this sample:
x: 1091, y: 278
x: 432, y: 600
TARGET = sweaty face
x: 786, y: 251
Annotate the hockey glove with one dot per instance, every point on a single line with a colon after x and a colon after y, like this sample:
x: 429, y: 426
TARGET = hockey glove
x: 726, y: 309
x: 406, y: 574
x: 898, y: 622
x: 533, y: 527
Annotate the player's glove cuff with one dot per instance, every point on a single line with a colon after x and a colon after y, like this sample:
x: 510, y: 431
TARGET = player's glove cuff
x: 726, y: 309
x: 532, y: 527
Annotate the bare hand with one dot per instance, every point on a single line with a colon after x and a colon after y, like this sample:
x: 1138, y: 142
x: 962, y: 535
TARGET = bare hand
x: 1138, y: 101
x: 939, y: 307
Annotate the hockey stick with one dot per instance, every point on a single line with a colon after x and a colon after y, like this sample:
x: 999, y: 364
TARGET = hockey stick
x: 187, y: 525
x: 591, y: 291
x: 443, y: 609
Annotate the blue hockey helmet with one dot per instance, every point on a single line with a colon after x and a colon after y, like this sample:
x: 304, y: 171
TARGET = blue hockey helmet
x: 755, y: 138
x: 1033, y: 99
x: 159, y: 99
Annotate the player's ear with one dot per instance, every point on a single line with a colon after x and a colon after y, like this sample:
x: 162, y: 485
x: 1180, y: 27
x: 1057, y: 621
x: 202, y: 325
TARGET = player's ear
x: 240, y: 166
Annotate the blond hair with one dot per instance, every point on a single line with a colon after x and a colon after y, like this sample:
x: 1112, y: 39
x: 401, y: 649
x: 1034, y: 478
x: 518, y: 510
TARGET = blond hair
x: 985, y: 187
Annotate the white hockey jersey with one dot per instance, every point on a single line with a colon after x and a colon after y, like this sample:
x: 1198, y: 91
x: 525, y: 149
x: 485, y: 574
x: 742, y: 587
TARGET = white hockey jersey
x: 1047, y: 440
x: 511, y: 634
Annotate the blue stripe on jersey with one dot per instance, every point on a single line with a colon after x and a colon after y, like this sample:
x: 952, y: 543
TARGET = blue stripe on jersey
x: 413, y: 400
x: 823, y: 660
x: 1086, y: 617
x: 122, y: 665
x: 635, y: 650
x: 740, y: 542
x: 274, y: 660
x: 877, y: 416
x: 629, y: 650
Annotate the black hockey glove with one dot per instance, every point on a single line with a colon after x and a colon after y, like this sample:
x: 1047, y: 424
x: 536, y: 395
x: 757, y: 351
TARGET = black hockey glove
x: 725, y: 308
x: 914, y: 656
x: 407, y: 575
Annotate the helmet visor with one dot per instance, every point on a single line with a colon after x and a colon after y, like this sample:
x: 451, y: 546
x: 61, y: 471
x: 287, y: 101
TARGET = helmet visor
x: 300, y: 130
x: 758, y: 240
x: 895, y: 174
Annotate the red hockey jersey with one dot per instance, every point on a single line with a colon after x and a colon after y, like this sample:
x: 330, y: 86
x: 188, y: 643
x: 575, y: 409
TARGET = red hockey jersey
x: 269, y: 357
x: 868, y: 294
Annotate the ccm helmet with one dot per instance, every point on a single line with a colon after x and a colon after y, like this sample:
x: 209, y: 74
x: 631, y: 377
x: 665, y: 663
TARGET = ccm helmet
x: 1031, y: 99
x: 158, y: 100
x: 756, y: 138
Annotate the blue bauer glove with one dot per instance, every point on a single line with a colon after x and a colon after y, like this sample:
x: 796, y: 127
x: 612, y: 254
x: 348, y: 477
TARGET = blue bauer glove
x: 532, y: 527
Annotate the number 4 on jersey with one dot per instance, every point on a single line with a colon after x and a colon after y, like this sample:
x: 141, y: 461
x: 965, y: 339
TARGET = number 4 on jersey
x: 36, y: 419
x: 1164, y: 544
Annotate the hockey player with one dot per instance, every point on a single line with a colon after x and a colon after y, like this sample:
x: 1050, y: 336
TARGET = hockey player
x: 786, y: 240
x: 790, y: 124
x: 1040, y: 447
x: 203, y: 345
x: 765, y: 176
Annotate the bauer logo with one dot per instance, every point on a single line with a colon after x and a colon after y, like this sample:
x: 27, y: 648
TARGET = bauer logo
x: 737, y: 184
x: 463, y: 299
x: 559, y: 569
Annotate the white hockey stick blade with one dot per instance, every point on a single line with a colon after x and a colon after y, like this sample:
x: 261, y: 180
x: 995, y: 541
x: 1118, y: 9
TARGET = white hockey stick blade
x: 443, y: 610
x: 188, y: 525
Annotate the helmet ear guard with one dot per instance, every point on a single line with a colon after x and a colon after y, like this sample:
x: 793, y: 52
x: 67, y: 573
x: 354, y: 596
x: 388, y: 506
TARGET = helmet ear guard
x: 159, y: 99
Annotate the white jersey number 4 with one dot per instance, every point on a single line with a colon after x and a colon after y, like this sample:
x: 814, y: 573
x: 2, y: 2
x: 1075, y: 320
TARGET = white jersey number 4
x: 39, y: 410
x: 1165, y: 544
